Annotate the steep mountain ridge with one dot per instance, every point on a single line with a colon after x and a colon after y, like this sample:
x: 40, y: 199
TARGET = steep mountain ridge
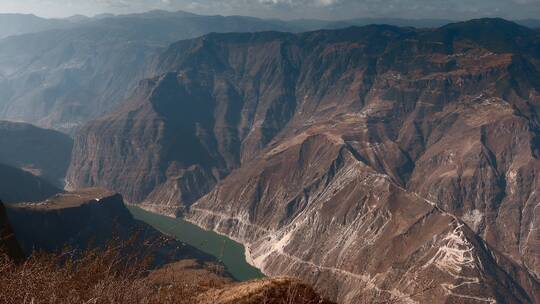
x: 422, y: 143
x: 354, y: 233
x: 61, y: 73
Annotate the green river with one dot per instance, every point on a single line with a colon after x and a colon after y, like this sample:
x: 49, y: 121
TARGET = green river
x: 228, y: 251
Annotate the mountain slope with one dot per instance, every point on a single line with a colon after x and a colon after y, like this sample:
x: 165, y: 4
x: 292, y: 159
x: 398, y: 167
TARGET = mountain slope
x: 314, y: 24
x: 420, y: 143
x: 44, y: 153
x: 17, y: 24
x: 77, y: 69
x: 19, y: 186
x: 353, y: 232
x: 88, y: 218
x: 61, y: 78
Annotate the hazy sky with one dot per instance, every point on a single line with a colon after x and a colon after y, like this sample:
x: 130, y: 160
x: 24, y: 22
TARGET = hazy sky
x: 328, y: 9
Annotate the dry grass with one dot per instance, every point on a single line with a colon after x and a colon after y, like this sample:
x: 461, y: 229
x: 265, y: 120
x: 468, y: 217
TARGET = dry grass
x: 265, y: 291
x: 108, y: 275
x: 61, y: 278
x: 115, y: 274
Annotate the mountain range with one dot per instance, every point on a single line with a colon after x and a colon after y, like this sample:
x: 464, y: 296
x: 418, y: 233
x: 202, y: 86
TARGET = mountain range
x: 61, y: 73
x: 61, y: 78
x: 377, y: 163
x: 17, y: 24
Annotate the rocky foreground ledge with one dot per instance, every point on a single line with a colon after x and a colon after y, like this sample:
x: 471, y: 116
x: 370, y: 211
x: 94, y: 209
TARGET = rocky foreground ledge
x: 90, y: 217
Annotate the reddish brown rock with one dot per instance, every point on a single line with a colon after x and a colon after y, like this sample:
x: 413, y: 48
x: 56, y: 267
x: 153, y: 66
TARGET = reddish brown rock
x: 375, y: 162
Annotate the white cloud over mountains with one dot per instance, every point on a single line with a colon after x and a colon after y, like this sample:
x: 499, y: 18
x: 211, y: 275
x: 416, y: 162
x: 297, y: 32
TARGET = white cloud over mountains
x: 301, y: 2
x: 329, y: 9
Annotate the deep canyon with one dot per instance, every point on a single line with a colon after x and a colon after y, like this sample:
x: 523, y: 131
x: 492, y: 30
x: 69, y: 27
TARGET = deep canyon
x: 377, y: 163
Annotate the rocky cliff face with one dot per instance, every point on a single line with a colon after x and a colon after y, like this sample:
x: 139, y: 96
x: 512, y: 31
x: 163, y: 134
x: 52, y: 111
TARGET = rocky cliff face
x: 374, y: 162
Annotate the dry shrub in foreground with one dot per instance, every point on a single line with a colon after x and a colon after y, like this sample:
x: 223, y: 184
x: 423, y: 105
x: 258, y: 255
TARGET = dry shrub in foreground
x: 265, y: 291
x: 107, y: 275
x: 116, y: 274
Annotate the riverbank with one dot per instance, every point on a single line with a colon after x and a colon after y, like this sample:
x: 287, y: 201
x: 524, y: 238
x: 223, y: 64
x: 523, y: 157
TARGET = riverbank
x: 233, y: 254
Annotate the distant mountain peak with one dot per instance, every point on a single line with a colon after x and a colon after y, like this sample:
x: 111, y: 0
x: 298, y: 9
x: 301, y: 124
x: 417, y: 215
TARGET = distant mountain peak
x: 496, y: 34
x: 491, y: 23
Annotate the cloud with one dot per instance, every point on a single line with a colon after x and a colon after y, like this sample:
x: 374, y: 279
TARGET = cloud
x: 290, y: 9
x: 301, y: 2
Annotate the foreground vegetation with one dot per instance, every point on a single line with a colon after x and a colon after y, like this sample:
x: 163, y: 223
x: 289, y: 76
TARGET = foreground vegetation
x: 113, y: 275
